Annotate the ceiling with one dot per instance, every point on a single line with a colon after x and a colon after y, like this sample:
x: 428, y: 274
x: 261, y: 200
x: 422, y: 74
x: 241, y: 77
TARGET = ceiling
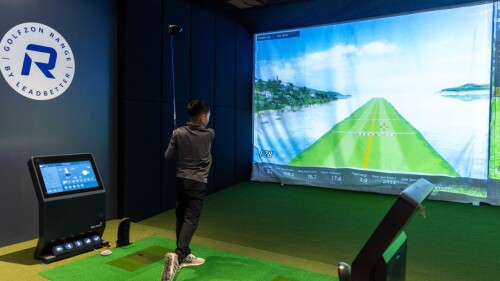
x: 238, y: 4
x: 266, y: 15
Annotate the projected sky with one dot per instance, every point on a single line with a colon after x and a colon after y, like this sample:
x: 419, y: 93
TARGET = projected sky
x: 358, y: 57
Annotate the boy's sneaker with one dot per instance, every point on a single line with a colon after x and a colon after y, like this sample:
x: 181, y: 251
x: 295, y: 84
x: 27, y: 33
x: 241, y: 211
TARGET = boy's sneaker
x: 191, y: 260
x: 171, y: 267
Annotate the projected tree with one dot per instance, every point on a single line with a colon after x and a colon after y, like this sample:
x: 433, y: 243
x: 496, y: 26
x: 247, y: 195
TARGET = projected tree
x: 275, y: 95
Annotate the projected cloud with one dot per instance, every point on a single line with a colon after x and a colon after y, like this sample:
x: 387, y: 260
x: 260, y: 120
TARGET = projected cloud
x: 379, y: 55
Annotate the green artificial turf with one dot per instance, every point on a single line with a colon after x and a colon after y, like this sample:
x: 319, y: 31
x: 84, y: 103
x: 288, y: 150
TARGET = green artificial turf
x: 143, y: 260
x: 318, y: 227
x: 375, y: 137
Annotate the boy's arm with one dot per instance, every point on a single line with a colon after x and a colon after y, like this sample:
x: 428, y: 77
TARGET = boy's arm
x: 172, y: 147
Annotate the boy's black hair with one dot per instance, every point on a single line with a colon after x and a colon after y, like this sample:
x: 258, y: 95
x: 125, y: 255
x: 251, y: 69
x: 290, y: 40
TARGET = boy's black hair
x: 197, y: 107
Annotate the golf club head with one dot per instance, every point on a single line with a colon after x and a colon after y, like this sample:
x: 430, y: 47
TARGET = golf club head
x: 174, y: 29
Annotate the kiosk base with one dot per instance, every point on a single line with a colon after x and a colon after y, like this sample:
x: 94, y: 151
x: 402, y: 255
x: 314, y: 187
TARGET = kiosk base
x: 52, y: 258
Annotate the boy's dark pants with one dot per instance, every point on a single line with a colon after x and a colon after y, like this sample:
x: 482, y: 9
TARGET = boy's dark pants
x: 189, y: 195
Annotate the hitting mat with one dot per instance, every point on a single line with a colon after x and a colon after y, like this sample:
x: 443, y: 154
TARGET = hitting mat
x: 143, y: 260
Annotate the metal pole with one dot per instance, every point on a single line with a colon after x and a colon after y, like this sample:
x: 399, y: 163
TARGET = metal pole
x: 173, y: 79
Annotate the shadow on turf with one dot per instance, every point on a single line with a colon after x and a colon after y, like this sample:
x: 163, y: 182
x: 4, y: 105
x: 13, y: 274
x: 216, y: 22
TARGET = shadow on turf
x: 140, y: 259
x: 21, y: 257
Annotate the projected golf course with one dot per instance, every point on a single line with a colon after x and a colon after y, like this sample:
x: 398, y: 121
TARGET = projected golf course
x: 375, y: 137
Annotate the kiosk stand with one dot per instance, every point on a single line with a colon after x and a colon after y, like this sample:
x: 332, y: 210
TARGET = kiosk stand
x: 71, y: 203
x: 383, y: 257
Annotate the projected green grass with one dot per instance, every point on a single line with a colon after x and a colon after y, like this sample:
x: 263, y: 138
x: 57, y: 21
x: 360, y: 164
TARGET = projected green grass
x: 494, y: 171
x: 375, y: 137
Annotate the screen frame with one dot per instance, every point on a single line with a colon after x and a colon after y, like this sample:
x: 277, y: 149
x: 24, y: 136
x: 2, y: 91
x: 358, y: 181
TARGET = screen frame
x: 262, y: 172
x: 36, y: 161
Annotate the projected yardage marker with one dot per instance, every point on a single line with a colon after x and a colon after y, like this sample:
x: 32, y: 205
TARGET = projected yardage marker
x: 384, y: 127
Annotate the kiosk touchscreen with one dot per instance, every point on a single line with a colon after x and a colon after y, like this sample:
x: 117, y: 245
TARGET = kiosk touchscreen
x: 72, y: 205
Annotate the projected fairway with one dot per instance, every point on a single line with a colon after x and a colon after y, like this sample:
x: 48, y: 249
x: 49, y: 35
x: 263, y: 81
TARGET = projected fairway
x: 375, y: 137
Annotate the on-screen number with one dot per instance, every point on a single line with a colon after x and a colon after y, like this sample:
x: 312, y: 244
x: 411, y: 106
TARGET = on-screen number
x: 266, y: 153
x: 336, y: 178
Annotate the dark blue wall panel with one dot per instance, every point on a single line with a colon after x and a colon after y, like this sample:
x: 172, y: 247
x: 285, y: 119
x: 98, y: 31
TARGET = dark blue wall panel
x: 142, y: 50
x: 243, y: 145
x: 140, y: 94
x: 210, y: 63
x: 244, y: 68
x: 243, y: 129
x: 224, y: 148
x: 225, y: 57
x: 143, y: 159
x: 83, y: 119
x: 202, y: 55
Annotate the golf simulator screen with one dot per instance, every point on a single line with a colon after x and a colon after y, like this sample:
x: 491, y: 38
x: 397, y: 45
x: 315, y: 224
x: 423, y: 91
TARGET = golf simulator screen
x: 375, y: 104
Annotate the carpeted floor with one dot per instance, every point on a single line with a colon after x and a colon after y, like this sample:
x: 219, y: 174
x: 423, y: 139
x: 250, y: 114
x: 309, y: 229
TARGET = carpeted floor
x: 313, y: 229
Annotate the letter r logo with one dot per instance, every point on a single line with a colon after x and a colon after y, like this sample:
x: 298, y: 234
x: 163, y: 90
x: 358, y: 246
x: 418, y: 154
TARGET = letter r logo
x: 45, y: 67
x: 38, y: 64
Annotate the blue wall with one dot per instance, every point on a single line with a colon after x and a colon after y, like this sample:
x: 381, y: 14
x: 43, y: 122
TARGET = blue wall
x: 213, y: 62
x: 80, y: 120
